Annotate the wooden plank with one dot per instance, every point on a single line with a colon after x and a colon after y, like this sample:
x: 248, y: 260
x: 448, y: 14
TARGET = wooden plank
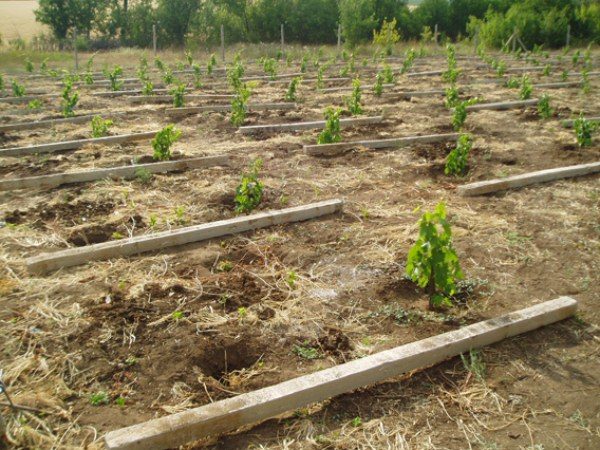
x: 309, y: 125
x: 365, y: 89
x: 500, y: 106
x: 127, y: 172
x: 571, y: 122
x: 288, y: 106
x: 230, y: 414
x: 410, y: 94
x: 427, y: 73
x: 277, y: 77
x: 78, y: 143
x: 127, y: 92
x: 517, y: 181
x: 27, y: 98
x: 169, y: 98
x: 332, y: 149
x: 558, y: 85
x: 157, y: 241
x: 45, y: 123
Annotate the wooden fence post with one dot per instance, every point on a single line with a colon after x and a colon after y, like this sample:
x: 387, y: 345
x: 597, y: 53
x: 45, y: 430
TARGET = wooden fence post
x: 282, y: 40
x: 568, y: 35
x: 222, y: 42
x: 75, y: 49
x: 339, y: 37
x: 154, y: 38
x: 435, y: 34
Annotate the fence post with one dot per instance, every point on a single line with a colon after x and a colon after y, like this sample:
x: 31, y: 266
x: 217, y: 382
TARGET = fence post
x: 282, y: 39
x: 75, y: 49
x: 339, y: 37
x: 514, y: 42
x: 476, y: 41
x: 568, y: 35
x: 435, y: 34
x: 154, y: 38
x: 222, y: 42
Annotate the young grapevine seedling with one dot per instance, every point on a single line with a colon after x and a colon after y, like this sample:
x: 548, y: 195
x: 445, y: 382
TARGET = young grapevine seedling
x: 513, y: 83
x: 239, y: 105
x: 178, y: 93
x: 290, y: 95
x: 159, y: 64
x: 69, y: 98
x: 303, y: 63
x: 34, y: 104
x: 270, y: 67
x: 320, y: 82
x: 388, y: 75
x: 168, y: 76
x: 564, y: 76
x: 248, y: 194
x: 378, y: 86
x: 113, y: 77
x: 432, y: 261
x: 197, y: 75
x: 1, y: 83
x: 526, y: 88
x: 17, y: 89
x: 331, y: 133
x: 212, y: 62
x: 148, y: 88
x: 452, y: 98
x: 235, y: 74
x: 457, y: 162
x: 163, y: 141
x: 544, y: 109
x: 547, y: 70
x: 459, y: 116
x: 189, y: 58
x: 100, y: 126
x: 28, y: 65
x: 501, y: 69
x: 583, y: 131
x: 408, y: 61
x: 354, y: 101
x: 387, y: 37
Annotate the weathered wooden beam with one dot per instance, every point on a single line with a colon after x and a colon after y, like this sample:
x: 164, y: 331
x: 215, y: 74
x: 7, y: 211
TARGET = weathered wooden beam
x: 288, y: 106
x: 126, y: 172
x: 230, y: 414
x: 158, y: 241
x: 78, y: 143
x: 517, y: 181
x: 27, y: 98
x: 557, y: 85
x: 332, y: 149
x: 169, y: 98
x: 500, y: 106
x: 126, y: 92
x: 365, y: 88
x: 427, y: 73
x: 309, y: 125
x: 571, y: 122
x: 45, y: 123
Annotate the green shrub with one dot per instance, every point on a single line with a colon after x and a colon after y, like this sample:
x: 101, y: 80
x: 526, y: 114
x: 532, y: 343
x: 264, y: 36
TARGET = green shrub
x: 459, y: 116
x: 163, y: 141
x: 543, y: 107
x: 167, y: 76
x: 148, y: 88
x: 17, y: 89
x: 113, y: 77
x: 320, y: 82
x: 513, y: 83
x: 378, y: 86
x: 432, y: 261
x: 583, y: 131
x: 388, y: 75
x: 270, y: 67
x: 353, y: 102
x: 526, y: 88
x: 249, y: 193
x: 408, y: 61
x: 331, y: 133
x: 303, y: 63
x: 235, y: 74
x: 239, y: 105
x: 457, y: 162
x: 100, y: 127
x: 387, y: 36
x: 452, y: 97
x: 69, y: 98
x: 290, y: 95
x: 34, y: 104
x: 197, y: 76
x: 212, y: 62
x: 178, y: 93
x: 28, y: 65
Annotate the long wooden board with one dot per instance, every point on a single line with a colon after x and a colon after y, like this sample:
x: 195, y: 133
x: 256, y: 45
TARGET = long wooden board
x: 499, y: 106
x: 127, y: 172
x: 224, y: 108
x: 74, y: 144
x: 517, y: 181
x: 157, y: 241
x: 27, y: 98
x: 309, y: 125
x: 127, y: 92
x: 44, y: 123
x: 227, y: 415
x: 169, y: 98
x: 332, y: 149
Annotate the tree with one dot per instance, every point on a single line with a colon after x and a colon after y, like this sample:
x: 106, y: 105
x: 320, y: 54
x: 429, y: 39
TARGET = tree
x: 63, y: 15
x: 174, y: 17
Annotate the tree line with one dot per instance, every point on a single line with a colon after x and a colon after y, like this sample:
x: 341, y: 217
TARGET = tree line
x: 104, y: 23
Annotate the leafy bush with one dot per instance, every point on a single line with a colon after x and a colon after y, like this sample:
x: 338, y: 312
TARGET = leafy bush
x: 583, y: 131
x: 17, y: 89
x: 249, y: 193
x: 239, y: 105
x: 331, y: 133
x: 178, y: 93
x: 163, y: 141
x: 113, y: 77
x: 69, y: 98
x: 459, y: 116
x: 543, y: 107
x: 100, y: 127
x: 457, y: 162
x: 290, y: 95
x: 526, y: 88
x: 432, y: 261
x: 387, y: 36
x: 353, y: 102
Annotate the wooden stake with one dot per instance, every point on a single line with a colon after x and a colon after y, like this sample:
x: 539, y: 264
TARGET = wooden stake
x: 568, y: 40
x: 154, y: 38
x: 332, y: 149
x: 517, y: 181
x: 72, y: 145
x: 126, y: 172
x: 230, y: 414
x: 282, y: 41
x: 308, y: 125
x: 76, y: 56
x: 158, y: 241
x: 339, y: 38
x: 222, y: 43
